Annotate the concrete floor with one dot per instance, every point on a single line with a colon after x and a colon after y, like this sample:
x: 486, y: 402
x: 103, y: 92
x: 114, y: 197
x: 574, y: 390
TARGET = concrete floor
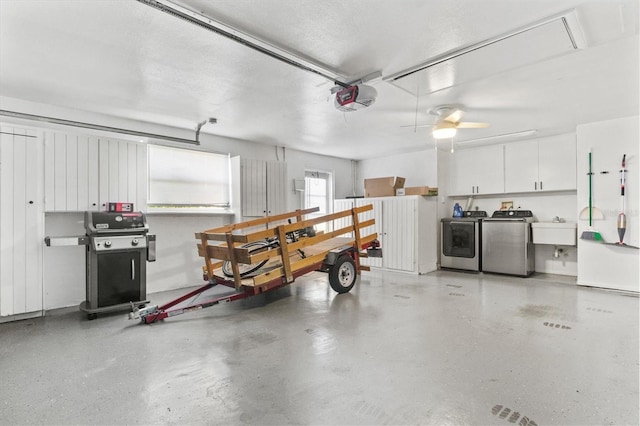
x: 446, y: 348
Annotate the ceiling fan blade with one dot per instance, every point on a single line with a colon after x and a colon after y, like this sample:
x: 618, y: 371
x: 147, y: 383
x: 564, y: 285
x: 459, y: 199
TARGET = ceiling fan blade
x: 454, y: 116
x: 471, y: 125
x: 418, y: 125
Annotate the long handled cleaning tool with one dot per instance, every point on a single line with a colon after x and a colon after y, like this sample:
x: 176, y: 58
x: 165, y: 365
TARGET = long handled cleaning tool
x: 590, y: 233
x: 622, y: 217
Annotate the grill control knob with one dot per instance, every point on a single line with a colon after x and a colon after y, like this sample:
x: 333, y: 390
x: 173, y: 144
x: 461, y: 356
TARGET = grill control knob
x: 134, y: 242
x: 107, y: 243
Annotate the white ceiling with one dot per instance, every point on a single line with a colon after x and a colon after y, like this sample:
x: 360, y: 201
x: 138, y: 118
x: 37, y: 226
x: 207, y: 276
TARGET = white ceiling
x: 126, y: 59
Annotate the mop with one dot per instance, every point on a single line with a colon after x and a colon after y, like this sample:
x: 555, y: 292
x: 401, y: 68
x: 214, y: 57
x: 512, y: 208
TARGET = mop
x: 590, y: 233
x: 622, y: 217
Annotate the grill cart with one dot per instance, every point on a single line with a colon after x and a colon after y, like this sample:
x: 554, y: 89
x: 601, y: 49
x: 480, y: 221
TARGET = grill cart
x: 248, y: 258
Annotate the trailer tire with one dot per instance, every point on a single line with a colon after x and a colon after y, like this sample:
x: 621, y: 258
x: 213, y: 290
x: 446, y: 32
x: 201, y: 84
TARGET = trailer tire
x: 342, y: 274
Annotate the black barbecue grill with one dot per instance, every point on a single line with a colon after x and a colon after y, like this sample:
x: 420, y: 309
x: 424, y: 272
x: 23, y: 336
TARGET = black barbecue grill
x: 118, y: 247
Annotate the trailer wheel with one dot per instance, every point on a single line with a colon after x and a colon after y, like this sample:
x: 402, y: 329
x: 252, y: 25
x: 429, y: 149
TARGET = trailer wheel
x: 342, y: 275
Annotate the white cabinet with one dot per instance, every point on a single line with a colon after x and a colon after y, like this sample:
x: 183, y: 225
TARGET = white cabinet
x: 123, y: 172
x: 21, y: 221
x: 85, y: 172
x: 341, y: 205
x: 260, y: 186
x: 477, y: 171
x: 547, y: 164
x: 407, y: 230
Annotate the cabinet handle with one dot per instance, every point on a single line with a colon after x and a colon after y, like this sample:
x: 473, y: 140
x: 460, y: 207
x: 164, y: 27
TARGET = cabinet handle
x: 473, y: 189
x: 535, y: 186
x: 31, y: 202
x: 133, y: 269
x: 540, y: 185
x: 477, y: 189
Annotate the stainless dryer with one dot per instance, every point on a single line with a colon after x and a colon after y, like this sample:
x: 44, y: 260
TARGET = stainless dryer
x: 461, y: 241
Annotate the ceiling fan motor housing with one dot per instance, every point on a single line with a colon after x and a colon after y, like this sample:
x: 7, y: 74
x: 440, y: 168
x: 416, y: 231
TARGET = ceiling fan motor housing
x: 356, y: 97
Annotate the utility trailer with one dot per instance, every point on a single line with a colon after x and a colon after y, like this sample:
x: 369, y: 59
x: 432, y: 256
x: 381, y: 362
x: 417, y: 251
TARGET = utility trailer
x: 249, y: 258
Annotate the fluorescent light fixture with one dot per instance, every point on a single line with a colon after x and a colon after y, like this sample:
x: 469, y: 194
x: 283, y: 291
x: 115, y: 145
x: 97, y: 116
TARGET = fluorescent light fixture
x: 513, y: 135
x: 446, y: 132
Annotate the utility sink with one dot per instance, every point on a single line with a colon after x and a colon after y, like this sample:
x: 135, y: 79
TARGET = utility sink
x: 555, y: 233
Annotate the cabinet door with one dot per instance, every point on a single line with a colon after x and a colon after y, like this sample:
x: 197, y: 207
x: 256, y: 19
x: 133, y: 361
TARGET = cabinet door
x: 461, y: 178
x: 276, y: 187
x: 477, y: 171
x: 489, y: 169
x: 122, y: 172
x: 521, y: 167
x: 71, y: 172
x: 377, y: 214
x: 21, y: 221
x: 253, y: 195
x: 340, y: 206
x: 557, y: 163
x: 399, y: 232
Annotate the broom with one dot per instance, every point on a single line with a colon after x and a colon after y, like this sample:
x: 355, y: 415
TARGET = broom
x: 590, y: 233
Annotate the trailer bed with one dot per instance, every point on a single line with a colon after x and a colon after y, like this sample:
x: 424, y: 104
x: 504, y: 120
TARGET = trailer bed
x: 266, y: 253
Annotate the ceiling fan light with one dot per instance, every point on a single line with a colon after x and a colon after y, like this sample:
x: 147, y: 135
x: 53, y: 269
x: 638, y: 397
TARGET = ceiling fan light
x: 444, y: 132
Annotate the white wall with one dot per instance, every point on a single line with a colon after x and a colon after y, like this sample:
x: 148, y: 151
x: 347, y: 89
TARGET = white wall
x: 602, y: 265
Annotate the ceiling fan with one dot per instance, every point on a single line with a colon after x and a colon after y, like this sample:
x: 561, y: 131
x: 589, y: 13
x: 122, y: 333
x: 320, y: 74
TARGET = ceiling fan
x: 448, y: 122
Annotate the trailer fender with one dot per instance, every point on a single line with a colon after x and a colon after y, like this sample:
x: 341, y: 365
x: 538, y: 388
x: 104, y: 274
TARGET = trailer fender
x: 333, y: 255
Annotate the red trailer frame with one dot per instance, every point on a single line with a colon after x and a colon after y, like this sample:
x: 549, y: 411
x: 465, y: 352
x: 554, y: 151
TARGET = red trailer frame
x: 286, y: 257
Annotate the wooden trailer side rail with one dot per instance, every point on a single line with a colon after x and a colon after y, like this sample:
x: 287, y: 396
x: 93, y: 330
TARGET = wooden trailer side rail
x: 228, y: 247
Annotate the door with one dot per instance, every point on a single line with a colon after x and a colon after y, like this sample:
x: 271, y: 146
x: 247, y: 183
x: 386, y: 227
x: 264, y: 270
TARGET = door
x: 399, y: 233
x: 122, y: 172
x: 521, y: 167
x: 557, y: 163
x: 340, y: 206
x: 276, y: 187
x: 459, y: 239
x: 477, y: 171
x: 118, y: 278
x: 21, y: 221
x: 317, y: 193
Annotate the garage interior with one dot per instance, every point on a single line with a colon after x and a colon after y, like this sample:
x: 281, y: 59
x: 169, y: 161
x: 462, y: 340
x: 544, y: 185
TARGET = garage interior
x: 207, y: 114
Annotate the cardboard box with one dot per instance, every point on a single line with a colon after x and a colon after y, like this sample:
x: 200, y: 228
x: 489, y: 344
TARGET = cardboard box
x: 420, y: 190
x: 382, y: 187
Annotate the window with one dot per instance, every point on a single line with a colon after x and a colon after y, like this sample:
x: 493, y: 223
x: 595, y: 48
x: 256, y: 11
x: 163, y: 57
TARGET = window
x: 318, y: 193
x: 182, y: 178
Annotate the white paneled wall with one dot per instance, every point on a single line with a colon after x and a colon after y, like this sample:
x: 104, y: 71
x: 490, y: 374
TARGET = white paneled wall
x: 21, y: 221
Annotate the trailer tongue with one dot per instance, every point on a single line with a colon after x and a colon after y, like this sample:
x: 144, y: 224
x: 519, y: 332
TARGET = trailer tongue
x: 241, y: 261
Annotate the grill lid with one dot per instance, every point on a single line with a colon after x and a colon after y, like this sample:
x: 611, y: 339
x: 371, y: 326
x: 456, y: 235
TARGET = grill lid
x: 96, y: 223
